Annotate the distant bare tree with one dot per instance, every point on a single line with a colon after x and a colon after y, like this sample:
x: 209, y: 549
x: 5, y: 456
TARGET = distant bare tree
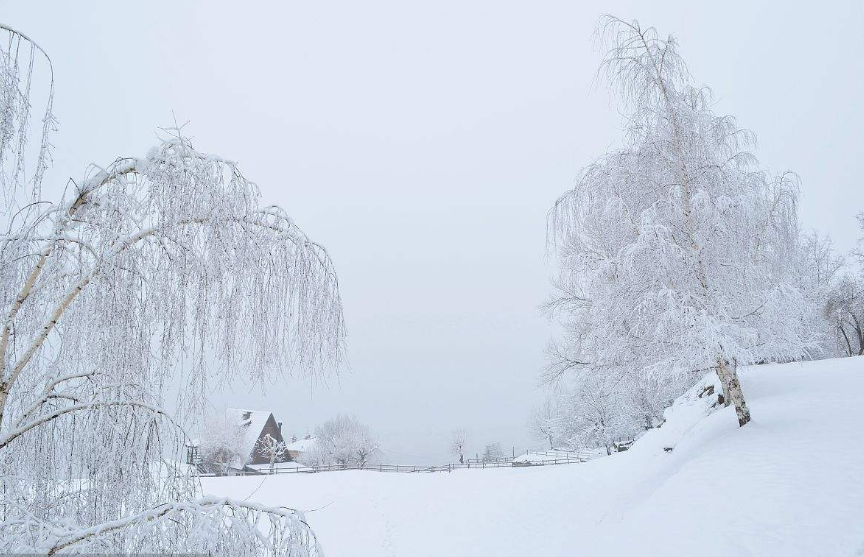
x: 458, y: 440
x: 821, y: 275
x: 845, y: 310
x: 272, y: 449
x: 848, y: 302
x: 838, y: 289
x: 493, y: 452
x: 545, y: 419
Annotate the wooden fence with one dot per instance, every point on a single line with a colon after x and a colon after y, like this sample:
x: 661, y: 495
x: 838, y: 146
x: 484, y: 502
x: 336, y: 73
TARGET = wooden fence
x: 559, y: 457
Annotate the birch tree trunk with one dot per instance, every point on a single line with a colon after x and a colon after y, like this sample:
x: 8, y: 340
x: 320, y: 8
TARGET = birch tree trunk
x: 728, y: 375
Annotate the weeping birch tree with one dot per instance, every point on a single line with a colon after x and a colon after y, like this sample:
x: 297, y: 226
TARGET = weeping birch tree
x: 675, y: 250
x: 149, y: 272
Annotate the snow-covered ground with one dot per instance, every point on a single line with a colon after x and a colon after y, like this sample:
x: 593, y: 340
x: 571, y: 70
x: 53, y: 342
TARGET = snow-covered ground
x: 789, y: 483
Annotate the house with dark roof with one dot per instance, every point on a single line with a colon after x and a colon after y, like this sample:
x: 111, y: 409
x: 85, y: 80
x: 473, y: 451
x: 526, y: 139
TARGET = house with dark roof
x: 253, y: 426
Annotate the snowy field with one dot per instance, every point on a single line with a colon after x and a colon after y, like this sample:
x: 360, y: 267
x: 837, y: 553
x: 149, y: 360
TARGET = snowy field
x: 789, y: 483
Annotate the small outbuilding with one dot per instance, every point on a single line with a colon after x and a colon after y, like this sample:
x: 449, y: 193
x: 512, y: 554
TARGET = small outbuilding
x: 296, y: 447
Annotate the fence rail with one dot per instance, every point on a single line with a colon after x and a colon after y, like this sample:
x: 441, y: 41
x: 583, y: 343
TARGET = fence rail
x: 573, y: 458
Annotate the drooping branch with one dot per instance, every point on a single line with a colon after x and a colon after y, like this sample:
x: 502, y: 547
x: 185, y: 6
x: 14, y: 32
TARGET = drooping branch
x: 48, y: 392
x: 45, y: 418
x: 269, y: 218
x: 227, y: 509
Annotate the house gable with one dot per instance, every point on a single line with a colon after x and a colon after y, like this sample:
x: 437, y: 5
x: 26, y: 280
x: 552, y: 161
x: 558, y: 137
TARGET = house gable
x: 271, y: 428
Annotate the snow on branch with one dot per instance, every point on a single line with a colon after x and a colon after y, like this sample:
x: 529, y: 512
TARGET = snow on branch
x: 207, y: 525
x: 16, y: 85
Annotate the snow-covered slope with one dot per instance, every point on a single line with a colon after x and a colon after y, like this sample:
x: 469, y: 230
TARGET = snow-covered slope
x: 789, y: 483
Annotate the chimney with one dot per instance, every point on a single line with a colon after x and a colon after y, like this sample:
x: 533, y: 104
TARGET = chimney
x: 279, y: 425
x: 293, y: 438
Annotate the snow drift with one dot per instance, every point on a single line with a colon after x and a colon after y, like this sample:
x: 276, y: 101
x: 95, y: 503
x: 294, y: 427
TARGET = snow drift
x: 789, y: 483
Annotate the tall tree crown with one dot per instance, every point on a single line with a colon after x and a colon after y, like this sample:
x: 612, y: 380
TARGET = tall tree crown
x: 674, y: 249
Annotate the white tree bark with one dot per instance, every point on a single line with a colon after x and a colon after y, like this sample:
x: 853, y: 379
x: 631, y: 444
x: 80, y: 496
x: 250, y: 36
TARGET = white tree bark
x: 728, y: 374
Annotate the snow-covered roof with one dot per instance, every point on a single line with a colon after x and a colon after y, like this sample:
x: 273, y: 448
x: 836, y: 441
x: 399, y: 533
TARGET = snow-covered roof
x: 301, y: 445
x: 251, y: 423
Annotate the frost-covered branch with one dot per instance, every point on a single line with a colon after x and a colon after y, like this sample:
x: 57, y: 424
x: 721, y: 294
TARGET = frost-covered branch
x: 200, y: 519
x: 20, y: 430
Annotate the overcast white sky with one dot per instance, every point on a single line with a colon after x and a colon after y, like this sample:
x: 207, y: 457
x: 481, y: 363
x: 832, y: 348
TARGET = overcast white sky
x: 422, y: 144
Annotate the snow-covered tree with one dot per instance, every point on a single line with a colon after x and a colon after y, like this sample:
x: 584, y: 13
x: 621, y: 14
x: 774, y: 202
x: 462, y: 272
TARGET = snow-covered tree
x: 834, y: 290
x: 820, y: 276
x: 545, y: 418
x: 272, y: 449
x: 591, y: 410
x: 314, y: 455
x: 845, y: 307
x: 595, y: 412
x: 844, y: 304
x: 846, y: 311
x: 152, y: 272
x: 675, y: 250
x: 859, y: 250
x: 645, y: 397
x: 221, y: 441
x: 493, y: 452
x: 343, y: 441
x: 458, y: 440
